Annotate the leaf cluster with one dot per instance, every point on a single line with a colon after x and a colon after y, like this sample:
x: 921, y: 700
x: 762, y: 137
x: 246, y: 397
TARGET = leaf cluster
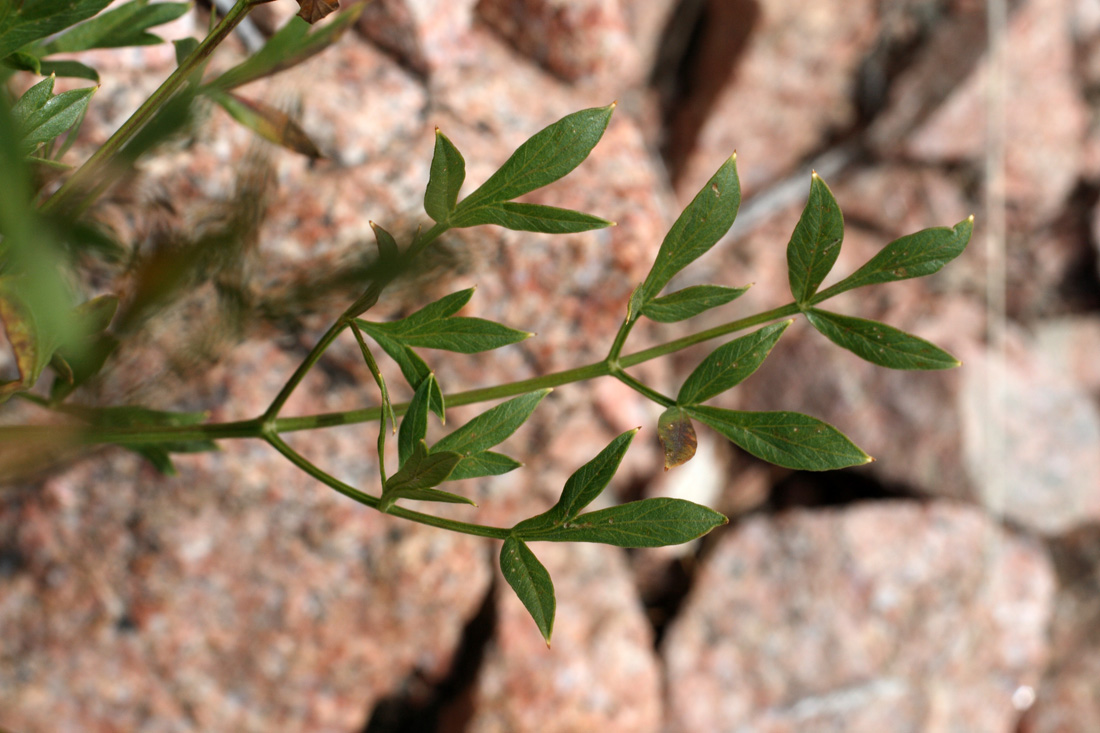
x: 48, y: 328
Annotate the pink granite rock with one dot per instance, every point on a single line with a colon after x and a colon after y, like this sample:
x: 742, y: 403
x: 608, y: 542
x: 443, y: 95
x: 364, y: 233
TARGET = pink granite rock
x: 790, y: 86
x: 601, y: 672
x: 424, y: 34
x: 892, y: 616
x: 1043, y: 436
x: 1045, y: 113
x: 1068, y: 700
x: 241, y: 595
x: 574, y: 39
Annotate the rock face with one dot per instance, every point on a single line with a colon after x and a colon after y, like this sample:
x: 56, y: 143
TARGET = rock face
x: 242, y: 595
x: 790, y: 84
x: 601, y: 672
x: 893, y: 616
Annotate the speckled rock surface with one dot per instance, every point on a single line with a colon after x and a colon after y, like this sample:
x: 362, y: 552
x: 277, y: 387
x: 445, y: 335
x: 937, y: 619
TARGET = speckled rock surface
x: 789, y: 85
x: 240, y: 595
x: 601, y: 672
x: 243, y: 596
x: 894, y: 616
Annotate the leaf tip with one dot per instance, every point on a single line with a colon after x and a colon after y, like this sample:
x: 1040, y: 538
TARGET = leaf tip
x: 814, y: 176
x: 970, y: 218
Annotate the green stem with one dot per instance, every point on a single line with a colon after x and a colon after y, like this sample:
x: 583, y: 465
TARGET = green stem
x: 254, y: 428
x: 299, y: 374
x: 643, y: 389
x: 478, y: 530
x: 93, y: 176
x: 361, y: 304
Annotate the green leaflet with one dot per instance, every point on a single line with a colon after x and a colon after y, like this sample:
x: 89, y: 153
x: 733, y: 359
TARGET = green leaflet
x: 878, y: 343
x: 414, y: 426
x: 35, y: 303
x: 387, y: 245
x: 531, y: 583
x: 485, y: 463
x: 421, y: 472
x: 730, y: 364
x: 689, y: 302
x: 125, y: 25
x: 77, y: 362
x: 705, y: 220
x: 448, y: 171
x: 33, y: 342
x: 71, y: 69
x: 815, y: 242
x: 460, y: 334
x: 492, y: 426
x: 268, y: 122
x: 531, y: 218
x: 586, y: 483
x: 291, y: 45
x: 41, y: 115
x: 22, y: 61
x: 677, y: 436
x: 547, y: 156
x: 914, y: 255
x: 31, y: 20
x: 433, y: 327
x: 412, y: 366
x: 646, y: 523
x: 788, y: 439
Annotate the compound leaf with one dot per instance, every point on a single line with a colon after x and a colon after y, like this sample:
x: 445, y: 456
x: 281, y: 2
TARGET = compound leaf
x: 677, y: 436
x: 295, y: 42
x: 914, y: 255
x: 492, y: 426
x: 28, y: 21
x: 126, y: 25
x: 689, y: 302
x: 730, y: 364
x: 547, y: 156
x: 40, y: 115
x: 647, y: 523
x: 448, y: 171
x: 815, y: 242
x: 531, y: 583
x: 581, y: 489
x: 878, y: 343
x: 705, y: 220
x: 788, y: 439
x: 531, y: 218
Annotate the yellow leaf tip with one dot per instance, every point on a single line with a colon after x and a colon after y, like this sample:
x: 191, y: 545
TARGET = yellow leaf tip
x: 970, y: 218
